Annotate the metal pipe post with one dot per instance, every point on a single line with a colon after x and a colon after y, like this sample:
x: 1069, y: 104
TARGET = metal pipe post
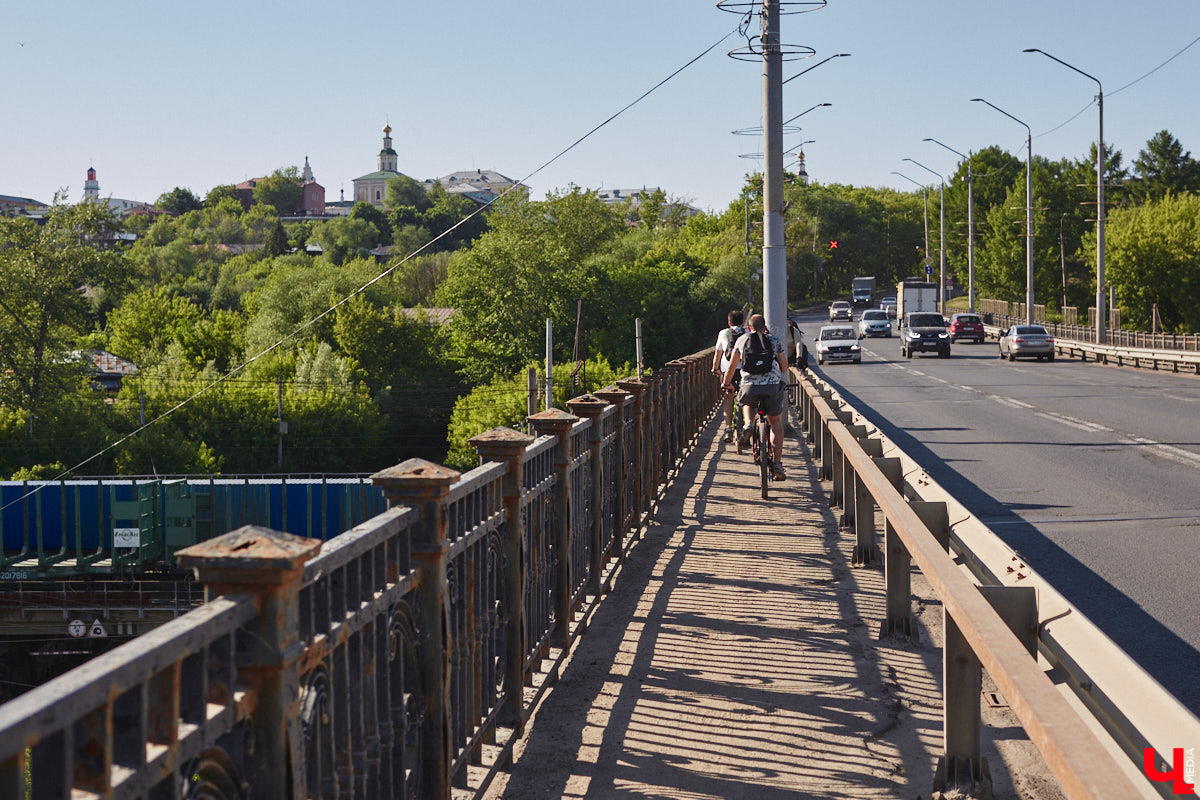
x: 774, y: 249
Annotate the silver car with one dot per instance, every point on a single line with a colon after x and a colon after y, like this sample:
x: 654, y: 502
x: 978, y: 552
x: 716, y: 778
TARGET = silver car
x: 874, y: 322
x: 840, y: 309
x: 838, y: 343
x: 1026, y: 341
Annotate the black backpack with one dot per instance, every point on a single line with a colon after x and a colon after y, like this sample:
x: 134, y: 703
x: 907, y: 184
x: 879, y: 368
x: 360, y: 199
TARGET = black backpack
x: 759, y: 355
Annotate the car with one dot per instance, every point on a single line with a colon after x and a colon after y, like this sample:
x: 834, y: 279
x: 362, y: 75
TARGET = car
x: 1026, y: 341
x: 889, y: 300
x: 874, y: 322
x: 838, y: 343
x: 888, y: 307
x: 840, y: 309
x: 924, y: 331
x: 966, y: 326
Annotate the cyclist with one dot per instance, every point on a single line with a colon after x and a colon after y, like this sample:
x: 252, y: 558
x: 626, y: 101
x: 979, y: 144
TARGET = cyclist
x: 725, y: 341
x: 763, y: 363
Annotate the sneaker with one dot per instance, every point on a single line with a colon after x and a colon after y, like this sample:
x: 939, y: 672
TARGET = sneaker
x: 747, y: 435
x: 728, y: 435
x: 777, y: 472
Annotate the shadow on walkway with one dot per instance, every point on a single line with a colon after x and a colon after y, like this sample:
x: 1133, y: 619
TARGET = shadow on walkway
x: 736, y: 658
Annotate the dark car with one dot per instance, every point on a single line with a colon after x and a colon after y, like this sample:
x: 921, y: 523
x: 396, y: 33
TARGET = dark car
x: 924, y: 332
x: 1027, y: 341
x: 966, y: 326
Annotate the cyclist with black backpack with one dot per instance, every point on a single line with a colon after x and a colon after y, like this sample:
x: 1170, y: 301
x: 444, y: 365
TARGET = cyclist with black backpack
x: 724, y: 349
x: 763, y: 363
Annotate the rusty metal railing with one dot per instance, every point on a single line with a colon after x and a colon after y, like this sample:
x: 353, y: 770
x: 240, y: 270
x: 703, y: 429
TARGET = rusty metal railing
x: 986, y: 627
x: 398, y: 659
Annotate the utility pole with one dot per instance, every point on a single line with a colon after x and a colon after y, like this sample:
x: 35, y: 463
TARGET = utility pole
x: 279, y: 417
x: 774, y: 248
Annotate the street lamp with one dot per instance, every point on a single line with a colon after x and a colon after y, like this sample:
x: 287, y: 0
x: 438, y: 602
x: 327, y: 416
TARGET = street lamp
x: 805, y: 111
x: 1028, y: 209
x: 942, y: 237
x: 1100, y: 326
x: 814, y: 66
x: 970, y: 225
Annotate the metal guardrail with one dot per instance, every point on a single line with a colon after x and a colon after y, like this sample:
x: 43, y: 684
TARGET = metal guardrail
x: 398, y: 659
x: 1124, y: 354
x: 1094, y: 721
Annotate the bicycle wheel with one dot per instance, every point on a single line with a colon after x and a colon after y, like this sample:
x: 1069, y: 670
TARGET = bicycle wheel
x: 764, y: 461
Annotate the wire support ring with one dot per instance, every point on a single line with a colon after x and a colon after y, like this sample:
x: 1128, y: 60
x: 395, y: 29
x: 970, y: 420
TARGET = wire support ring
x: 753, y: 51
x: 743, y: 7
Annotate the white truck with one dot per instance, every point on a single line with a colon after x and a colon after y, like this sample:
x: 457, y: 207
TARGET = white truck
x: 915, y: 296
x: 862, y: 290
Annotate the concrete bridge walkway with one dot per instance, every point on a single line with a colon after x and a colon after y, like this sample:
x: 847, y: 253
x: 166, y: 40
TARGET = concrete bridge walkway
x: 737, y: 658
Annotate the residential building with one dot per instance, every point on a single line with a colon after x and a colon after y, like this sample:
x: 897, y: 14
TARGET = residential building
x: 482, y: 186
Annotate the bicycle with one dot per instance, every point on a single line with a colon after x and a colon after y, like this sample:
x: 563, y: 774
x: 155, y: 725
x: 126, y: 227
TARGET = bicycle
x: 760, y: 438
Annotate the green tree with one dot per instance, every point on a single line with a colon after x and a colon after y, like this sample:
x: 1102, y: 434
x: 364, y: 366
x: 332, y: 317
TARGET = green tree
x: 178, y: 201
x: 371, y: 214
x: 221, y: 193
x: 1163, y: 167
x: 503, y: 402
x: 406, y: 192
x: 344, y: 238
x: 281, y: 190
x: 1152, y: 257
x: 42, y: 310
x: 528, y: 267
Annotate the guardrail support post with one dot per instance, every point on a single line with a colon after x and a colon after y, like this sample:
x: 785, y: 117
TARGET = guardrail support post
x: 866, y: 551
x: 936, y: 518
x: 897, y: 566
x: 508, y: 446
x: 849, y: 496
x: 268, y: 566
x: 557, y: 423
x: 424, y: 485
x: 961, y: 767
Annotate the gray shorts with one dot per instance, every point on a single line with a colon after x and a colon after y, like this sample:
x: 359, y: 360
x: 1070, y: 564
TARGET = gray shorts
x: 775, y: 395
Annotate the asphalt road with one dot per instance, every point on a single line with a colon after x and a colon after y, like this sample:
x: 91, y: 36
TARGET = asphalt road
x: 1091, y: 473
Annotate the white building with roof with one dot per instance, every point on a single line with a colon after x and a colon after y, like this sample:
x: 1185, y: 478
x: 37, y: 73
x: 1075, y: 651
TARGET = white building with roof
x: 479, y: 185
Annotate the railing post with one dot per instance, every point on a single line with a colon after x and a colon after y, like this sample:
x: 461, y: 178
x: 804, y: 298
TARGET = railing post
x: 638, y: 389
x: 424, y: 485
x: 619, y: 480
x: 507, y: 446
x: 866, y: 551
x: 897, y: 567
x: 268, y: 566
x: 590, y: 407
x: 557, y: 423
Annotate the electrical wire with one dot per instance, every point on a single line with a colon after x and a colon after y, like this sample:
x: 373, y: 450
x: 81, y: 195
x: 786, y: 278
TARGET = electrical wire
x: 1074, y: 116
x: 1156, y: 69
x: 390, y: 269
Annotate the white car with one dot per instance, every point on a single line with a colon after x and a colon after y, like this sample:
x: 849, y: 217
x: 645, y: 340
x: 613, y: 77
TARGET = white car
x: 838, y: 343
x: 874, y: 322
x: 840, y: 309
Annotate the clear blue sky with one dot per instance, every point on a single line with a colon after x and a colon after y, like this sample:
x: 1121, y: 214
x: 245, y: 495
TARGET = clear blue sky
x: 157, y: 95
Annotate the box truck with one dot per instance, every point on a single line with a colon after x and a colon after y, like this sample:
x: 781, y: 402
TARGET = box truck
x: 862, y: 291
x: 915, y: 296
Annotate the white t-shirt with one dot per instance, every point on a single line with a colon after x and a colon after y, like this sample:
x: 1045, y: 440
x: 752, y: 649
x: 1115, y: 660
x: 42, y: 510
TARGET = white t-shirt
x: 774, y: 376
x: 725, y: 341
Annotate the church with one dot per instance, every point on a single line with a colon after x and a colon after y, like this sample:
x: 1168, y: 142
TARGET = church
x: 372, y: 187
